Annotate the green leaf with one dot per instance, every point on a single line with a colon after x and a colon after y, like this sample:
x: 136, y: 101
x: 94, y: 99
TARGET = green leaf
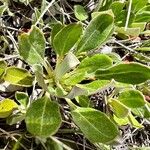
x: 32, y: 46
x: 84, y: 101
x: 120, y: 110
x: 66, y: 38
x: 69, y: 62
x: 134, y: 122
x: 89, y: 88
x: 80, y: 12
x: 18, y: 76
x: 132, y: 73
x: 3, y: 66
x: 15, y: 118
x: 103, y: 5
x: 121, y: 121
x: 140, y: 25
x: 117, y: 7
x: 137, y: 5
x: 76, y: 91
x: 98, y: 61
x: 128, y: 31
x: 143, y: 112
x: 6, y: 107
x: 57, y: 27
x: 43, y: 117
x: 95, y: 125
x: 132, y: 98
x: 22, y: 98
x: 96, y: 86
x: 96, y: 33
x: 73, y: 78
x: 143, y: 15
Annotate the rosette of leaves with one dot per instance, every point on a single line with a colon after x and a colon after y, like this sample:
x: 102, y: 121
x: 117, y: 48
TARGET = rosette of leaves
x: 71, y: 44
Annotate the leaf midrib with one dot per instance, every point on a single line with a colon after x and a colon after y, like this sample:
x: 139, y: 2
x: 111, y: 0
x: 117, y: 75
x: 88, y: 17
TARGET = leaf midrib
x: 93, y: 126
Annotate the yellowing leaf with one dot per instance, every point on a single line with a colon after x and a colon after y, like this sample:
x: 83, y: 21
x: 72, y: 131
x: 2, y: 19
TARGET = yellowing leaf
x: 18, y: 76
x: 6, y: 107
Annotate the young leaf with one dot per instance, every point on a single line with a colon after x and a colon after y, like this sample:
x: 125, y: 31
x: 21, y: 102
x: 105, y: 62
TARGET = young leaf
x: 32, y: 46
x: 18, y: 76
x: 132, y: 98
x: 95, y: 125
x: 6, y: 107
x: 97, y: 32
x: 66, y: 38
x: 134, y: 122
x: 121, y: 121
x: 80, y: 12
x: 22, y: 98
x: 98, y: 61
x: 69, y: 62
x: 120, y: 110
x: 76, y: 91
x: 132, y: 73
x: 43, y: 117
x: 15, y: 118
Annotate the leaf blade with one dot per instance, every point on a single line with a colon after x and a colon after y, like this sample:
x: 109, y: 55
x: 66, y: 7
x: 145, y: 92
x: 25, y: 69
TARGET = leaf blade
x: 95, y: 125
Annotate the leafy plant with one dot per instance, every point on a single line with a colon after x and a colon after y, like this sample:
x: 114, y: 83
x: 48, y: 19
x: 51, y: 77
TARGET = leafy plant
x: 78, y: 75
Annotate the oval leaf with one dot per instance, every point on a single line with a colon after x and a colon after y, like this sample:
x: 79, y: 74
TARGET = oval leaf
x: 95, y: 125
x: 97, y: 32
x: 43, y: 117
x: 132, y: 73
x: 120, y: 110
x: 6, y: 107
x: 66, y: 38
x: 32, y: 46
x: 91, y: 64
x: 80, y: 12
x: 132, y: 98
x: 18, y: 76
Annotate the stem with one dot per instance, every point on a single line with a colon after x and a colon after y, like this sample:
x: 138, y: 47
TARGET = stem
x: 128, y: 15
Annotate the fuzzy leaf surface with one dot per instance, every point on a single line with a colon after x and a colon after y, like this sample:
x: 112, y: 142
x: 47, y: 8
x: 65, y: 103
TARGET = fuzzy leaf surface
x: 132, y: 73
x: 43, y: 117
x: 32, y: 46
x: 97, y: 33
x: 95, y: 125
